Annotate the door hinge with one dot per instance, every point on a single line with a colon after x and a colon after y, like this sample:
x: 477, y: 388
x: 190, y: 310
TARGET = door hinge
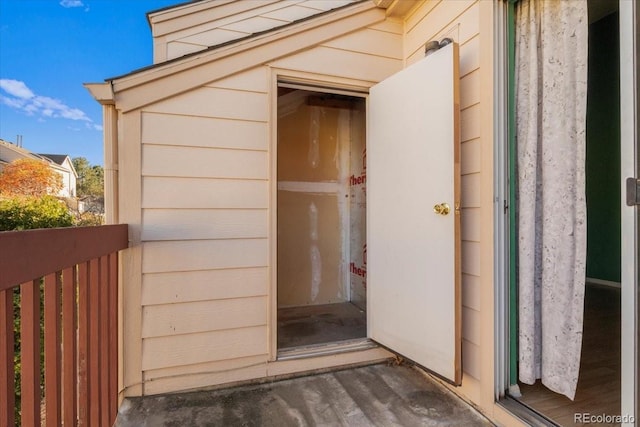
x: 633, y: 192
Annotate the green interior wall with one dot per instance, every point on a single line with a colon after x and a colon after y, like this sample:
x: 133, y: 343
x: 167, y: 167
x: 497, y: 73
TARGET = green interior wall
x: 603, y: 151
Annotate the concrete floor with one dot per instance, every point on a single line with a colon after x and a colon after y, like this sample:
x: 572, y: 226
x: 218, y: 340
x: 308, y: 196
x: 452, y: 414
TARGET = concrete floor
x: 318, y: 324
x: 375, y: 395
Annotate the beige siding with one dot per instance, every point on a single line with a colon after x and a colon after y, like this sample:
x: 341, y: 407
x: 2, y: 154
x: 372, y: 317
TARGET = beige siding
x: 190, y: 255
x: 191, y: 131
x: 205, y: 171
x: 185, y: 377
x: 205, y: 213
x: 187, y: 349
x: 179, y: 33
x: 179, y: 193
x: 173, y: 224
x: 331, y: 61
x: 203, y: 285
x: 216, y: 102
x: 203, y: 316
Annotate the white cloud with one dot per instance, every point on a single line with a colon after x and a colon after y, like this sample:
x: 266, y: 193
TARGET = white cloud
x: 19, y: 97
x: 71, y: 3
x: 16, y: 88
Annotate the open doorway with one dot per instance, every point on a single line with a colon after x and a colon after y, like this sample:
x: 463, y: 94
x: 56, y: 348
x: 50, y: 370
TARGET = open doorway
x: 599, y: 380
x: 321, y: 220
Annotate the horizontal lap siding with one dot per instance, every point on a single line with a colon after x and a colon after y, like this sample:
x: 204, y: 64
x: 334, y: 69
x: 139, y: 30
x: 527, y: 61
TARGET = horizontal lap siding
x: 371, y: 54
x: 187, y: 349
x: 201, y: 285
x: 460, y: 21
x: 205, y: 200
x: 203, y: 316
x: 180, y: 36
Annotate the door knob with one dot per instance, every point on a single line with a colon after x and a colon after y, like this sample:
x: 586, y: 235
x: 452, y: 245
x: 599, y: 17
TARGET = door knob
x: 441, y: 209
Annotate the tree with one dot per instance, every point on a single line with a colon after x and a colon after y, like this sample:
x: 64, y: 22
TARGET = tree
x: 90, y: 178
x: 25, y: 213
x: 29, y: 177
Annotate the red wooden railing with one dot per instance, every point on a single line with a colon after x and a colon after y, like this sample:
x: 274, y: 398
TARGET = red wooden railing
x: 78, y: 270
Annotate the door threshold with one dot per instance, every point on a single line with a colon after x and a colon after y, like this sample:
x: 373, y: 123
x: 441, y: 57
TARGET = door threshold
x: 327, y: 349
x: 525, y: 412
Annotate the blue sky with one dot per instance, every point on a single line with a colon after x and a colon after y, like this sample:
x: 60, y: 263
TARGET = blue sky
x: 48, y: 49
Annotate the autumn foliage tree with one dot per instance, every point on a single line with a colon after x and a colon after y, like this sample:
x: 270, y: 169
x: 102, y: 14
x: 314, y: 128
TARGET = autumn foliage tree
x: 29, y: 177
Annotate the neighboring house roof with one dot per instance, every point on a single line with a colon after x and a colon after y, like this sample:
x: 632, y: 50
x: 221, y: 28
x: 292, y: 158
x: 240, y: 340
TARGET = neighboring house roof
x: 10, y: 152
x: 58, y: 158
x: 63, y: 160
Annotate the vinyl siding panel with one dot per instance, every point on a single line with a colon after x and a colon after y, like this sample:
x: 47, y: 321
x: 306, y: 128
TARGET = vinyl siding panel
x: 216, y: 102
x: 197, y: 162
x: 159, y: 257
x: 186, y: 33
x: 470, y: 227
x: 254, y: 80
x: 470, y: 123
x: 458, y: 19
x: 203, y: 285
x: 198, y: 224
x: 470, y: 189
x: 188, y: 377
x: 186, y: 193
x: 204, y: 172
x: 341, y: 63
x: 203, y: 316
x: 470, y: 156
x: 194, y: 131
x: 471, y: 325
x: 386, y: 45
x: 471, y: 292
x: 470, y: 354
x: 168, y: 351
x: 470, y: 259
x: 470, y: 89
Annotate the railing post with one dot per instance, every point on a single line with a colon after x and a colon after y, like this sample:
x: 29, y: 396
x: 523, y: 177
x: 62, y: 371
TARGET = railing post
x: 83, y: 345
x: 30, y: 349
x: 94, y: 342
x: 52, y: 350
x: 104, y: 340
x: 7, y: 379
x: 113, y: 336
x: 69, y: 337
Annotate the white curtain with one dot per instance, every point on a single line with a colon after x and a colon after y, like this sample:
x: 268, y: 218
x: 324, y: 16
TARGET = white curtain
x: 551, y: 100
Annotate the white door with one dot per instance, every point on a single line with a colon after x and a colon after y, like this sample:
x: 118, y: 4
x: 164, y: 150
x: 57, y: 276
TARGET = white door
x: 413, y: 251
x: 630, y: 231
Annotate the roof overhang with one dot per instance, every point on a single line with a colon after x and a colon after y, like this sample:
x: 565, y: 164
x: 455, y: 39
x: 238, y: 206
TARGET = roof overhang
x: 102, y: 92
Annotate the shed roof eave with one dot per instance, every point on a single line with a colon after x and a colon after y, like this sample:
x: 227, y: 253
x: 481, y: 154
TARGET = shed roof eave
x: 251, y: 51
x: 101, y: 92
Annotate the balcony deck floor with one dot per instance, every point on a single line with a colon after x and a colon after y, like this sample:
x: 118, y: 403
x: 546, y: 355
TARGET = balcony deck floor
x: 374, y: 395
